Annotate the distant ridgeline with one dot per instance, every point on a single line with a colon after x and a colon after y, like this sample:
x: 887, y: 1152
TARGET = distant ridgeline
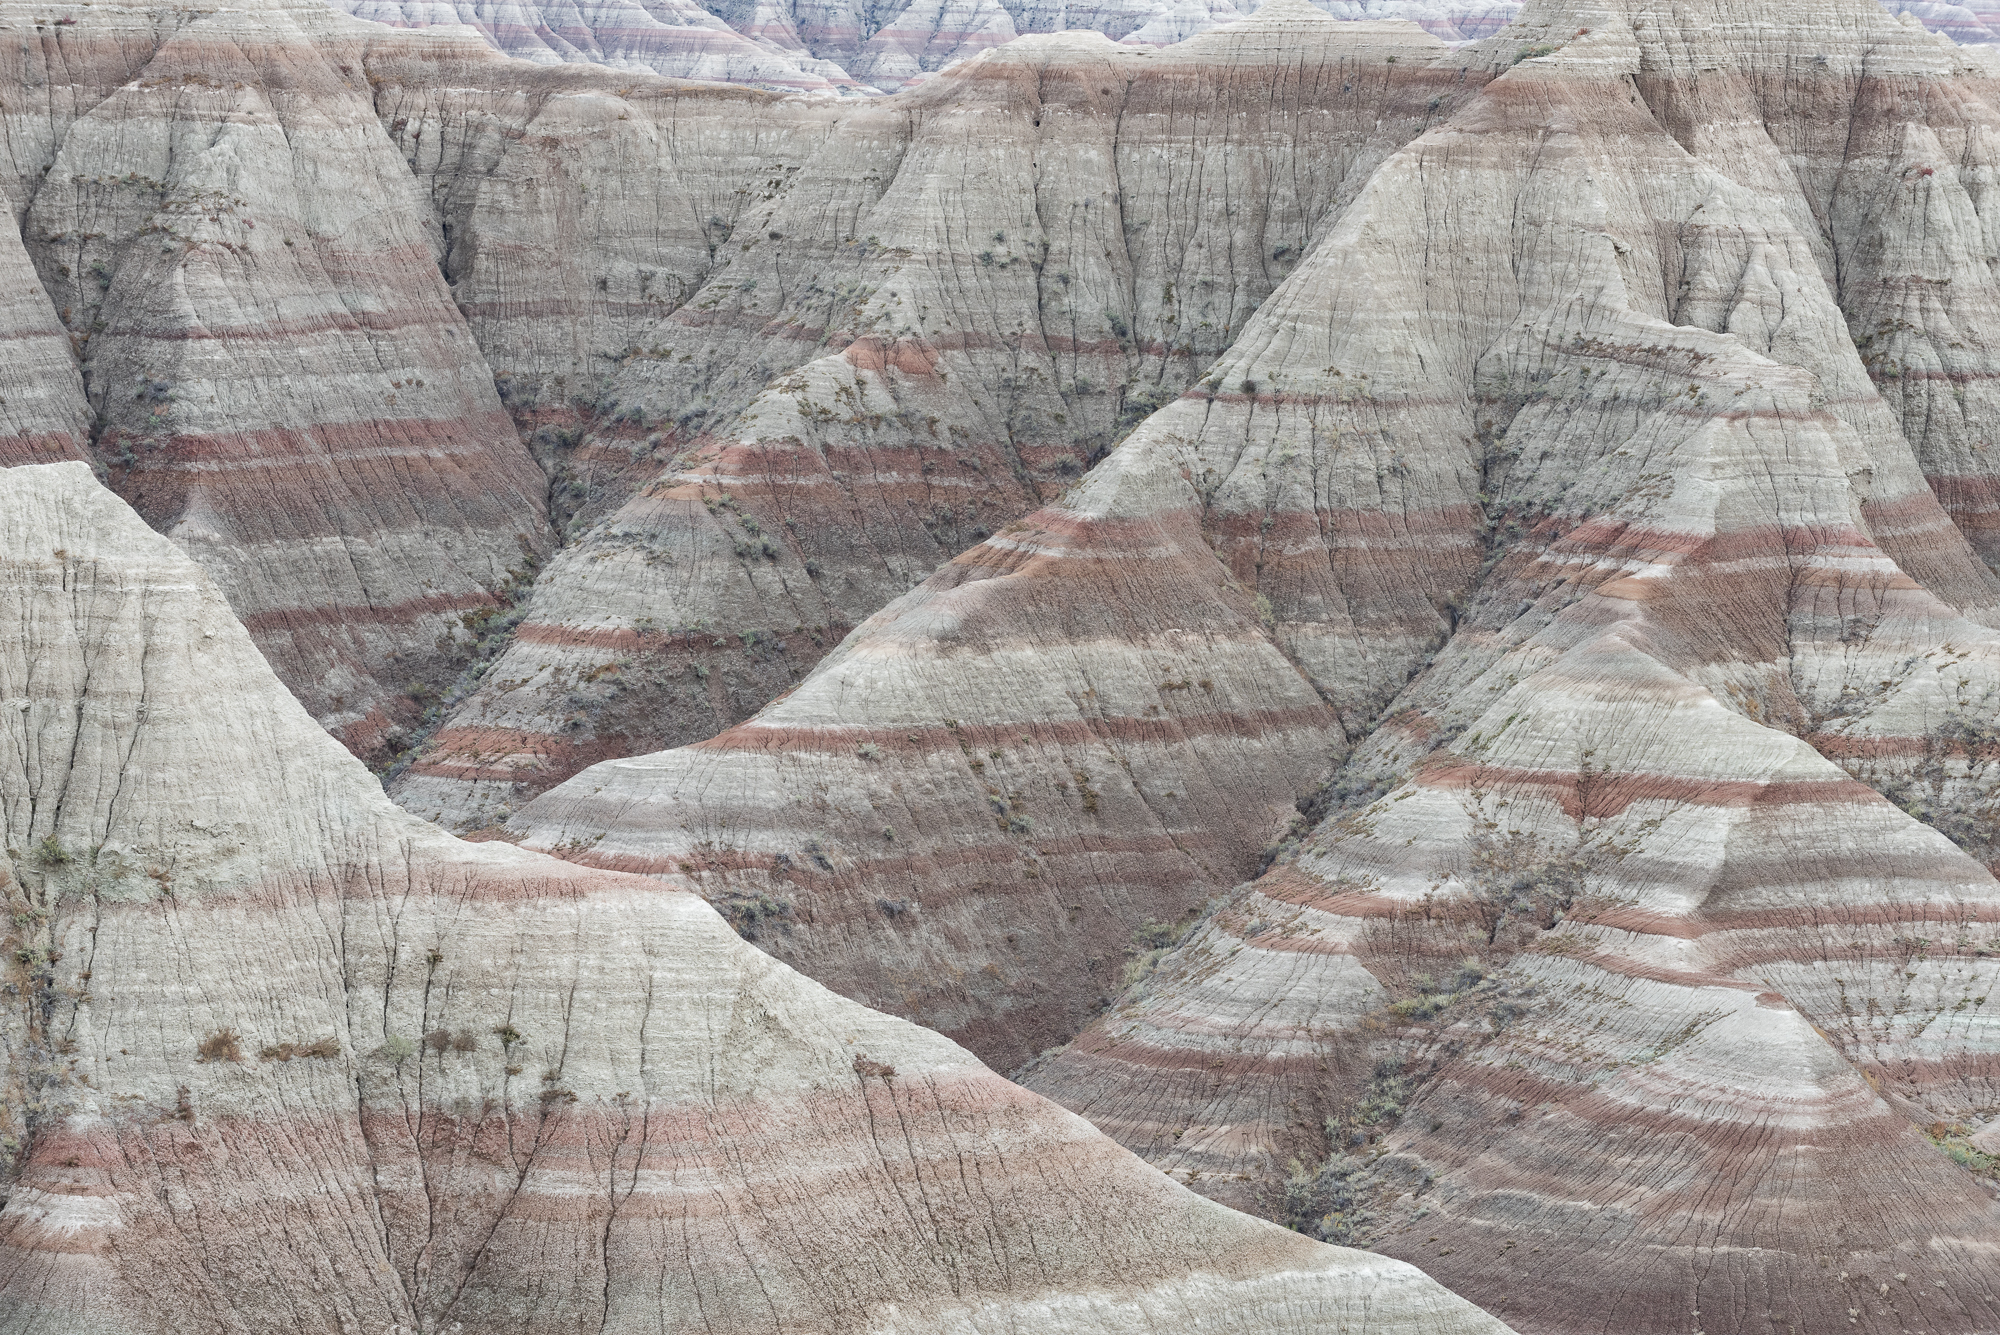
x: 849, y: 47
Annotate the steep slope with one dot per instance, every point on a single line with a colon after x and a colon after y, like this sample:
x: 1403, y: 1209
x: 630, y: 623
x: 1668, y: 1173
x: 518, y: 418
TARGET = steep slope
x: 274, y: 369
x: 1077, y: 727
x: 956, y: 306
x: 273, y: 1050
x: 1962, y: 23
x: 43, y: 416
x: 579, y: 208
x: 1592, y: 928
x: 1592, y: 462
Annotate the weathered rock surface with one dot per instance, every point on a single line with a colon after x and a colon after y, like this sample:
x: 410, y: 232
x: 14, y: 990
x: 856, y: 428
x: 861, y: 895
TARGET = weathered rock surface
x: 274, y: 370
x: 677, y: 38
x: 1336, y: 460
x: 1578, y: 507
x: 848, y: 48
x: 1601, y: 988
x: 862, y: 403
x: 43, y: 416
x: 1575, y: 443
x: 281, y: 1054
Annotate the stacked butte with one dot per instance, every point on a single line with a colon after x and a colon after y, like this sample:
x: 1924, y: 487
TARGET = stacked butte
x: 1025, y: 258
x: 1557, y: 481
x: 282, y: 1056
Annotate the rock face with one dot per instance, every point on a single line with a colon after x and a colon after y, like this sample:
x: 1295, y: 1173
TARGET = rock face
x: 1603, y: 496
x: 1151, y: 743
x: 1959, y: 22
x: 843, y: 49
x: 677, y: 38
x: 1596, y: 922
x: 1411, y: 630
x: 42, y: 412
x: 857, y: 406
x: 271, y: 366
x: 280, y: 1054
x: 849, y: 48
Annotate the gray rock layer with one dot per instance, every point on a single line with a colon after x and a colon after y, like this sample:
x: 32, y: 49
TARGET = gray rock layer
x: 279, y: 1055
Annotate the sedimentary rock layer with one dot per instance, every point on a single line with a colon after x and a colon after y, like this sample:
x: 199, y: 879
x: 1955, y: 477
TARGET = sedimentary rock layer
x: 280, y: 1054
x: 966, y: 810
x: 844, y: 49
x: 847, y: 49
x: 274, y: 368
x: 1592, y: 928
x: 677, y: 38
x: 1597, y: 428
x: 1336, y: 464
x: 961, y: 300
x: 43, y: 415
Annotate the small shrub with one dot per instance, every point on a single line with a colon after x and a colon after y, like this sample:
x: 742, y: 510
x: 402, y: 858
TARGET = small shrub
x: 397, y: 1048
x: 320, y: 1049
x: 1151, y: 941
x: 1085, y: 791
x: 1954, y: 1139
x: 751, y: 915
x: 221, y: 1046
x: 864, y: 1068
x: 868, y: 751
x: 1328, y: 1203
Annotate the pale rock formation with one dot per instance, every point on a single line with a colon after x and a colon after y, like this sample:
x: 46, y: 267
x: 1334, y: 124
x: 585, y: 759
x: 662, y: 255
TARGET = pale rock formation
x: 966, y: 810
x: 927, y: 349
x: 43, y: 415
x: 1963, y: 24
x: 1577, y: 499
x: 279, y: 1054
x: 1335, y: 460
x: 274, y: 369
x: 677, y: 38
x: 1466, y: 20
x: 849, y: 48
x: 1144, y: 23
x: 578, y: 210
x: 1592, y: 928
